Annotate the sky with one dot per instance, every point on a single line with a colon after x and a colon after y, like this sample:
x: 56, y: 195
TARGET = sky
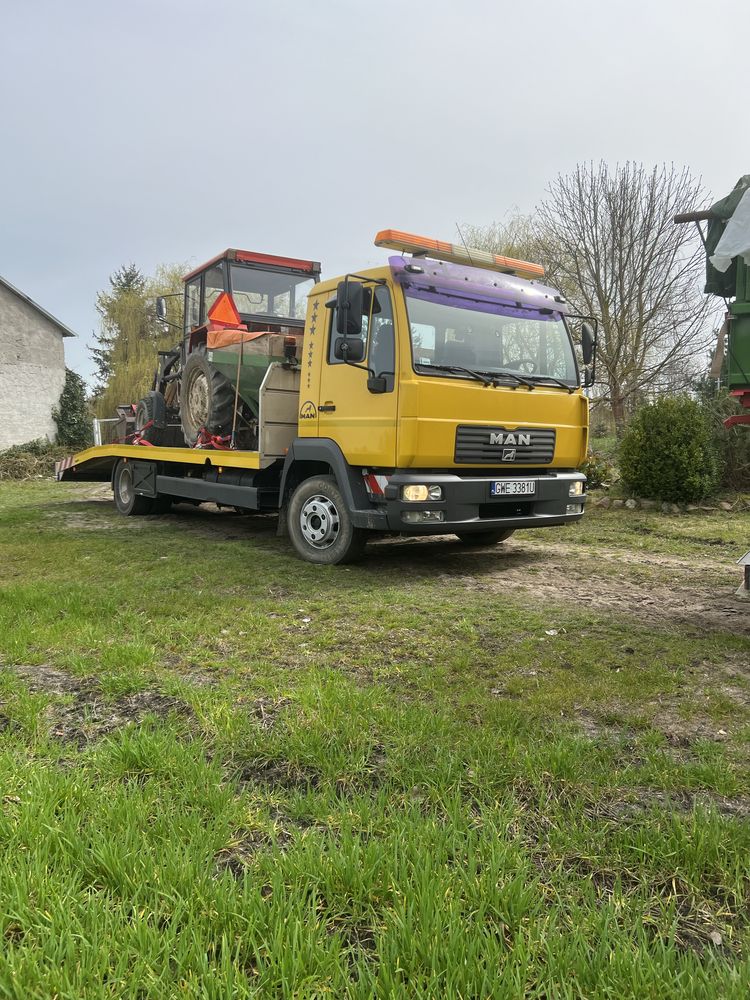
x: 164, y: 131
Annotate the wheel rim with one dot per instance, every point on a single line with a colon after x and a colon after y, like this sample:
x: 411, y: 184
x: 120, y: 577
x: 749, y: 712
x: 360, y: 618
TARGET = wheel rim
x: 126, y: 486
x: 319, y: 522
x: 198, y: 399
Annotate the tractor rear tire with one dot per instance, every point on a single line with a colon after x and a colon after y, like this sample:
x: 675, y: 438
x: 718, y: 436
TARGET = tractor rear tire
x: 206, y: 398
x: 151, y: 410
x: 320, y: 526
x: 127, y: 501
x: 478, y: 538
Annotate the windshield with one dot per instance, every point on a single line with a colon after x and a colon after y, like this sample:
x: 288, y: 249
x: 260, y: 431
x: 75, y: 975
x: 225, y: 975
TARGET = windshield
x: 448, y: 330
x: 269, y: 293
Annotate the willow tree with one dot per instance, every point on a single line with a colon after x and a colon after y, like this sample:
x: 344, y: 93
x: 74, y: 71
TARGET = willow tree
x: 131, y: 333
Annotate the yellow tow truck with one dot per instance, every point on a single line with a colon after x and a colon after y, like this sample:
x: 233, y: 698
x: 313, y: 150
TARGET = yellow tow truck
x: 438, y: 394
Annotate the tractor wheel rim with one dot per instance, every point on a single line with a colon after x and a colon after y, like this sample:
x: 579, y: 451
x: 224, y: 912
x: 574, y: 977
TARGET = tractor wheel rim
x: 198, y: 399
x: 319, y: 522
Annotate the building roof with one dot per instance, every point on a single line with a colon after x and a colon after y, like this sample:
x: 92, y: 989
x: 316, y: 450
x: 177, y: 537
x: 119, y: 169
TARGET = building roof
x: 64, y: 330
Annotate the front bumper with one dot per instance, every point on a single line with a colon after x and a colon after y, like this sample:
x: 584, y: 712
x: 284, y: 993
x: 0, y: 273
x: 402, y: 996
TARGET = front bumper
x: 467, y: 504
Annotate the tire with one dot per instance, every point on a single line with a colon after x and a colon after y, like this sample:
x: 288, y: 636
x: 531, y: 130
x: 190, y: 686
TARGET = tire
x: 151, y: 408
x: 127, y: 501
x: 483, y: 537
x: 319, y: 524
x: 206, y: 398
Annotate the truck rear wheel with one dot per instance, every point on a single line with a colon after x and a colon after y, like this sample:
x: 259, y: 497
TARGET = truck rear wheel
x: 206, y: 398
x: 320, y: 527
x: 483, y: 537
x: 127, y: 501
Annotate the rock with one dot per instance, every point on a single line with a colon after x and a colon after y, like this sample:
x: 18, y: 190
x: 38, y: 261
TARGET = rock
x: 725, y: 505
x: 693, y: 509
x: 674, y: 508
x: 618, y: 504
x: 648, y: 504
x: 666, y: 508
x: 631, y: 504
x: 604, y: 502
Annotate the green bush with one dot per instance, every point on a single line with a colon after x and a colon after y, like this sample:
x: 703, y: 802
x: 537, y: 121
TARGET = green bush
x: 599, y: 470
x: 667, y: 452
x: 72, y: 416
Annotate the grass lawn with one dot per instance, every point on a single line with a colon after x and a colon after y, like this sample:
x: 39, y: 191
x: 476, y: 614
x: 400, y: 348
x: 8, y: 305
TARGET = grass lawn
x: 511, y: 772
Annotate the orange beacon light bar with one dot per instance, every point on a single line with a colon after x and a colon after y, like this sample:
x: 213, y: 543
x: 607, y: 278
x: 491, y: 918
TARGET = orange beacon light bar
x: 423, y: 246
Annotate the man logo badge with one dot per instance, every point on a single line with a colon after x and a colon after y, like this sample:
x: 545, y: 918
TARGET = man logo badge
x: 509, y: 454
x: 500, y: 437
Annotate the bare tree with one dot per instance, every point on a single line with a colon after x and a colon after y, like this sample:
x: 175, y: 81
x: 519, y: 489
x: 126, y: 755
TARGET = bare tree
x: 609, y: 242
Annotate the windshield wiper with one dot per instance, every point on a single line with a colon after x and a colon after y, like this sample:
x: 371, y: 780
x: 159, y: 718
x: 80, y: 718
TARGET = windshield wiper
x: 556, y: 381
x: 488, y: 378
x: 458, y: 368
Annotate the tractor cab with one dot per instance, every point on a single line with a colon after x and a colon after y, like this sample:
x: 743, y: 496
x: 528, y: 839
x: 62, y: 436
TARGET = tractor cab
x: 269, y: 292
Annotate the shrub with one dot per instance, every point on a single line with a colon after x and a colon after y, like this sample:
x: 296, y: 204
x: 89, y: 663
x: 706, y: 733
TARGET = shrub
x: 667, y: 452
x: 72, y: 414
x: 599, y: 470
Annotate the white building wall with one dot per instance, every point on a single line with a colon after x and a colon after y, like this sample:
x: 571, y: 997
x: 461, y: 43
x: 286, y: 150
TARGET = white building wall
x: 32, y: 372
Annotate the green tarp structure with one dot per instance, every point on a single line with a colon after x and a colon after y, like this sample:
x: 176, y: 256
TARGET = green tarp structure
x: 718, y: 283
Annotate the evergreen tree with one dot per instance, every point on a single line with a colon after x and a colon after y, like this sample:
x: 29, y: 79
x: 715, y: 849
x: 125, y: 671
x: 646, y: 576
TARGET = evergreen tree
x: 72, y: 416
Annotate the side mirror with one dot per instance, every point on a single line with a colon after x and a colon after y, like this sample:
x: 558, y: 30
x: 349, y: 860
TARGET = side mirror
x: 349, y: 308
x: 349, y: 349
x: 587, y: 343
x: 161, y: 308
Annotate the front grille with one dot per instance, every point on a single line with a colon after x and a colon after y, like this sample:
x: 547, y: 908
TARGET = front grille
x: 487, y: 445
x: 512, y: 509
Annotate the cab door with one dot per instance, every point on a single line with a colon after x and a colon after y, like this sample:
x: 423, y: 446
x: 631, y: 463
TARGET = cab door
x: 360, y: 421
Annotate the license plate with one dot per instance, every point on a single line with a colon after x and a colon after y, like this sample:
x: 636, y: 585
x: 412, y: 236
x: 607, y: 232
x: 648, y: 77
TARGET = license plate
x: 513, y: 488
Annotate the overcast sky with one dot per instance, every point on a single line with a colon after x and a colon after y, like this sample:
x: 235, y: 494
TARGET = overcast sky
x: 167, y: 130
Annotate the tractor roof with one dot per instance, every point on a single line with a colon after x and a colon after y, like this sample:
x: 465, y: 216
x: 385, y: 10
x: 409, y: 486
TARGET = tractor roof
x: 267, y: 261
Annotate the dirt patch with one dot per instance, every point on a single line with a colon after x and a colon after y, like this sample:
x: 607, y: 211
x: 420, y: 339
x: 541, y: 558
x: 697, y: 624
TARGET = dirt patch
x: 90, y: 718
x: 632, y: 803
x: 241, y: 851
x: 267, y: 710
x: 88, y: 715
x: 656, y: 589
x: 283, y: 775
x: 671, y: 909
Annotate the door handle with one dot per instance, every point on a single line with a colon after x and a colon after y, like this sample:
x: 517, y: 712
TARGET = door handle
x: 328, y: 408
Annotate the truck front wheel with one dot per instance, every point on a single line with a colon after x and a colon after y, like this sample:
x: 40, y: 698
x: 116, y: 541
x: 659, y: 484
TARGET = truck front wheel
x: 320, y: 526
x: 127, y: 500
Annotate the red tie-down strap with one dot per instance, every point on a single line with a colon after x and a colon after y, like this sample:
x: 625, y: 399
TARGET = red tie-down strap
x: 136, y: 436
x: 208, y: 440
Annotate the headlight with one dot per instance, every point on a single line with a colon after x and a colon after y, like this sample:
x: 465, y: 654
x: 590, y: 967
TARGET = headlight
x: 576, y: 488
x: 420, y: 493
x: 422, y: 516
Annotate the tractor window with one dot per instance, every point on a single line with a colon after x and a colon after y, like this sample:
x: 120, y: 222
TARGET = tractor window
x: 192, y: 304
x: 280, y: 294
x: 214, y: 286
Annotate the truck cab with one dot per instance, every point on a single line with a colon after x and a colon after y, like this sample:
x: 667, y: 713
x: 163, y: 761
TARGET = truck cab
x: 450, y: 394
